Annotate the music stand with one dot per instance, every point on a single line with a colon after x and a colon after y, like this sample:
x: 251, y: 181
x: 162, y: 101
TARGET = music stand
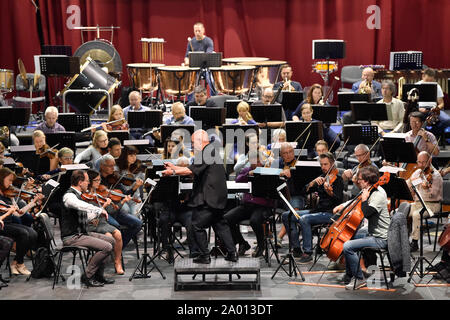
x: 357, y: 133
x: 167, y: 130
x: 396, y: 150
x: 266, y: 113
x: 231, y: 106
x: 59, y: 65
x: 304, y: 172
x: 326, y: 114
x: 397, y: 189
x: 368, y: 111
x: 345, y: 98
x: 24, y: 154
x: 122, y: 135
x: 291, y: 100
x: 14, y: 116
x: 64, y: 139
x: 145, y: 119
x: 74, y: 121
x: 295, y: 128
x: 427, y: 91
x: 209, y: 117
x: 142, y: 145
x: 205, y: 60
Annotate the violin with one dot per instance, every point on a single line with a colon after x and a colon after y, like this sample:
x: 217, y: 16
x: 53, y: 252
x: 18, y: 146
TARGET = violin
x: 13, y: 192
x: 428, y: 174
x: 97, y: 198
x: 330, y: 178
x: 48, y: 152
x: 126, y: 180
x: 115, y: 195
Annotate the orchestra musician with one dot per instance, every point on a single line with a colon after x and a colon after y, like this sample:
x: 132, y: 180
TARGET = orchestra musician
x: 98, y: 148
x: 73, y: 224
x: 395, y: 109
x: 172, y: 148
x: 427, y: 140
x: 200, y: 99
x: 199, y: 43
x: 245, y: 117
x: 45, y: 159
x: 330, y: 187
x: 115, y: 114
x: 374, y: 208
x: 208, y: 197
x: 24, y: 236
x: 178, y: 117
x: 314, y: 95
x: 266, y: 99
x: 50, y: 124
x: 114, y: 149
x: 430, y: 189
x: 286, y: 76
x: 135, y: 99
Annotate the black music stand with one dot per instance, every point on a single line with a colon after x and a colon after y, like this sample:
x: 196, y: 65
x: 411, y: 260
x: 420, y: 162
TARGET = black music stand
x: 122, y: 135
x: 345, y: 98
x: 291, y: 100
x: 63, y: 139
x: 205, y: 60
x: 427, y: 91
x: 59, y: 65
x: 295, y: 128
x: 231, y: 106
x: 167, y: 130
x: 368, y: 111
x: 357, y: 133
x: 397, y: 189
x: 396, y: 151
x: 14, y: 116
x: 76, y: 122
x: 304, y: 172
x: 266, y: 113
x: 326, y: 114
x: 145, y: 119
x: 24, y: 154
x: 209, y: 117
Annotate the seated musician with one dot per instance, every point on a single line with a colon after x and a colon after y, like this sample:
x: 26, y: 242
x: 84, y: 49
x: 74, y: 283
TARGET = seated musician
x: 172, y: 148
x: 114, y: 149
x: 116, y: 114
x: 286, y: 76
x: 374, y: 209
x: 395, y: 109
x: 320, y: 147
x: 427, y: 139
x: 135, y: 105
x: 251, y: 143
x: 24, y: 236
x: 125, y: 215
x: 200, y: 99
x: 100, y: 224
x: 95, y: 150
x: 50, y: 124
x: 245, y: 117
x: 256, y: 209
x: 330, y: 188
x: 266, y: 99
x: 73, y: 224
x: 178, y: 117
x: 314, y: 96
x: 430, y: 189
x: 46, y: 159
x: 443, y: 120
x: 362, y: 154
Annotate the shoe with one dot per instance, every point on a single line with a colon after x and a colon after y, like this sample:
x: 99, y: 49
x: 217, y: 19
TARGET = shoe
x: 297, y: 252
x: 438, y: 267
x: 414, y: 246
x: 346, y: 279
x: 14, y: 270
x: 102, y: 279
x: 3, y: 285
x: 194, y: 255
x: 22, y: 269
x: 90, y: 282
x: 279, y: 243
x: 202, y: 259
x: 305, y: 258
x: 231, y: 256
x: 336, y: 266
x: 259, y: 251
x: 243, y: 247
x: 359, y: 284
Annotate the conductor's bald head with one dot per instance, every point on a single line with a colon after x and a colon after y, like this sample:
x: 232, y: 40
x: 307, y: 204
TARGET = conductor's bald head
x: 200, y: 139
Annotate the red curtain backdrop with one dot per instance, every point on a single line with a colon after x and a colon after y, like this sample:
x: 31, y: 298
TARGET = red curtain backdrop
x: 280, y: 30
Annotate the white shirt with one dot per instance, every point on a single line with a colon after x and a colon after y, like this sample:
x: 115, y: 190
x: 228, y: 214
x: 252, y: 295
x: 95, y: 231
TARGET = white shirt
x: 395, y: 112
x: 72, y: 202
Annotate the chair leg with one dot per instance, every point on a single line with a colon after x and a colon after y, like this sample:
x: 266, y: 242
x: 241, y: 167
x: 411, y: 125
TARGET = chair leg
x: 384, y: 271
x: 428, y: 231
x: 58, y: 269
x: 136, y: 246
x: 439, y: 219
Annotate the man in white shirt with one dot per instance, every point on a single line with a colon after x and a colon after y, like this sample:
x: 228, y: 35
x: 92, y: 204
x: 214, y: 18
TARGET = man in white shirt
x: 394, y: 107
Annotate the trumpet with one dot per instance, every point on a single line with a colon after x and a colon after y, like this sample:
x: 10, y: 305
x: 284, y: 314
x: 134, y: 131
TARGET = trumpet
x: 367, y: 88
x: 289, y: 87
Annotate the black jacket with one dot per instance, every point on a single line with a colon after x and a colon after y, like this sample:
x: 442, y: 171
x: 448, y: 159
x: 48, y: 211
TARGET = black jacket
x: 70, y: 220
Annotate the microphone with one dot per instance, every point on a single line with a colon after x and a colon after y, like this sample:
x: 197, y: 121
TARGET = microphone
x: 189, y: 39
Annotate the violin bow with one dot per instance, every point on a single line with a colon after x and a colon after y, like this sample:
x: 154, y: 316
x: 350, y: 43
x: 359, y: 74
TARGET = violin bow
x: 306, y: 140
x: 335, y: 139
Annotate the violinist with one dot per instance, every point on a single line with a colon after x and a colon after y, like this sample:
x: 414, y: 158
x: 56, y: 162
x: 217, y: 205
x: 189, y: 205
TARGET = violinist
x: 116, y: 113
x: 114, y: 149
x: 374, y: 208
x: 46, y: 159
x: 124, y: 215
x: 101, y: 225
x: 251, y: 143
x: 422, y: 139
x: 24, y: 236
x: 430, y: 189
x: 96, y: 149
x: 50, y: 124
x: 330, y: 187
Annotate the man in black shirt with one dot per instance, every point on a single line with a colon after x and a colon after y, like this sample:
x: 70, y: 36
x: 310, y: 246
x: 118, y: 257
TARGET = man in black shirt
x: 330, y: 188
x: 208, y: 198
x: 200, y: 99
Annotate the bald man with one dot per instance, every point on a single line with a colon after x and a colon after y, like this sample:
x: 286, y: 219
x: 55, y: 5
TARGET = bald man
x: 135, y: 105
x: 199, y: 43
x: 208, y: 198
x: 431, y: 193
x: 178, y: 117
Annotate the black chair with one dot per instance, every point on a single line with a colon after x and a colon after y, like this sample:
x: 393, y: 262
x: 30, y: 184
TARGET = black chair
x: 439, y: 215
x: 317, y: 231
x: 135, y: 241
x: 382, y: 253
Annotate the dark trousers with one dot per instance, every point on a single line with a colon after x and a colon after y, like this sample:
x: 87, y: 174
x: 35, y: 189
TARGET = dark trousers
x: 255, y: 213
x: 203, y: 217
x: 5, y: 246
x: 169, y: 215
x: 25, y: 238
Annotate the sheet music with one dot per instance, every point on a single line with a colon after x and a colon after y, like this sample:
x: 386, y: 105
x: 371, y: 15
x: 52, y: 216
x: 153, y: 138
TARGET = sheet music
x: 80, y: 166
x: 391, y: 169
x: 395, y: 135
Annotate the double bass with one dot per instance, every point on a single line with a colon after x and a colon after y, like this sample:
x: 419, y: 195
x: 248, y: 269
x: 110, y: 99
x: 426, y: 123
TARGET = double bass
x: 345, y: 227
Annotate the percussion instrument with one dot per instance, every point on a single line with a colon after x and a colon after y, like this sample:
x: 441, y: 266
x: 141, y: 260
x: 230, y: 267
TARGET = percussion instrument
x: 91, y: 76
x: 322, y: 66
x: 143, y: 75
x: 232, y: 79
x: 236, y: 60
x: 6, y: 80
x: 177, y: 80
x: 268, y: 71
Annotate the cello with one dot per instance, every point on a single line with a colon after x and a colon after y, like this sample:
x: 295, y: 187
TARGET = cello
x: 345, y: 227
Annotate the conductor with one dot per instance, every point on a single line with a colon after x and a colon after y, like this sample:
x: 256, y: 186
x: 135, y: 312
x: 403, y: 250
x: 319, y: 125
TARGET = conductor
x: 208, y: 198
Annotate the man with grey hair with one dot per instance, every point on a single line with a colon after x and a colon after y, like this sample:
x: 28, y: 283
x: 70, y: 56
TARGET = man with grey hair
x: 394, y: 107
x: 135, y: 105
x: 50, y: 125
x: 362, y: 154
x: 200, y: 99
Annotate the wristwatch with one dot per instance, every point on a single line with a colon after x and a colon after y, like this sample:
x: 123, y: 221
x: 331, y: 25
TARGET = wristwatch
x: 173, y: 172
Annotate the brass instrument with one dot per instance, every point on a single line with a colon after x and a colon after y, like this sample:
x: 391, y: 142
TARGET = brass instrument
x: 401, y: 82
x: 367, y: 88
x: 4, y: 133
x: 289, y: 88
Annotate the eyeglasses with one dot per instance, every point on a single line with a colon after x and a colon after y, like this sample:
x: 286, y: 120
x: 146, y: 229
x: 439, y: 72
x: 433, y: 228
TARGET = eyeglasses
x: 102, y: 141
x: 67, y: 158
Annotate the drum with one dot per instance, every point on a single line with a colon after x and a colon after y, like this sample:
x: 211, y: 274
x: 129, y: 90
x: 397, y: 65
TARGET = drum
x: 232, y: 79
x: 91, y: 76
x: 177, y: 80
x: 143, y: 75
x: 6, y: 80
x: 236, y: 60
x: 322, y: 67
x: 267, y: 74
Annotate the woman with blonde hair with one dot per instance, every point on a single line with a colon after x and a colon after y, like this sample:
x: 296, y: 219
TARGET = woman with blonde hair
x: 245, y: 117
x: 116, y: 113
x: 98, y: 148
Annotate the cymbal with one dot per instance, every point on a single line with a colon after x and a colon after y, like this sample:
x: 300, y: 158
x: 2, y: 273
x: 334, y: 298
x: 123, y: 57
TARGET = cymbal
x: 23, y: 72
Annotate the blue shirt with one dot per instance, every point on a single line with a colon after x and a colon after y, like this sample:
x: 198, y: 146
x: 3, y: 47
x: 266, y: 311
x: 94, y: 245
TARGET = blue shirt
x: 250, y: 121
x: 376, y: 89
x: 204, y: 45
x: 141, y: 108
x: 186, y: 121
